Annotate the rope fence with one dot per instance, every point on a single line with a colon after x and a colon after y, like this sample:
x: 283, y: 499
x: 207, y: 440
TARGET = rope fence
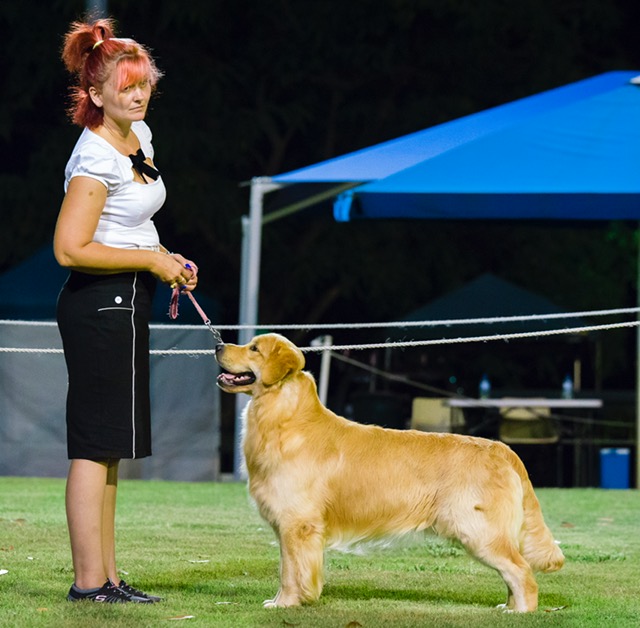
x: 335, y: 349
x: 374, y: 325
x: 378, y: 325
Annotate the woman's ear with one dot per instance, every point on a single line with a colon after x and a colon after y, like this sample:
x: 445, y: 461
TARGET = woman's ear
x: 96, y: 96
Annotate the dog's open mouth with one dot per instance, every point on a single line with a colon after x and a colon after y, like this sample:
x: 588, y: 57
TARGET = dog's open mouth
x: 236, y: 379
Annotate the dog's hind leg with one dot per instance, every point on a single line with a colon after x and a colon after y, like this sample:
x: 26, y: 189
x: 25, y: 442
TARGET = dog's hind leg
x: 301, y: 564
x: 491, y: 536
x: 504, y: 557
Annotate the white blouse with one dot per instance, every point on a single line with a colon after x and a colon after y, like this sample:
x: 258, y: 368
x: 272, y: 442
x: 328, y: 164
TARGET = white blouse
x: 126, y: 218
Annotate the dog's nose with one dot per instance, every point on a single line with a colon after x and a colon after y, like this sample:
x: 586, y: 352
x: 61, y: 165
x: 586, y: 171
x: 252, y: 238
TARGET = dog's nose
x: 219, y: 347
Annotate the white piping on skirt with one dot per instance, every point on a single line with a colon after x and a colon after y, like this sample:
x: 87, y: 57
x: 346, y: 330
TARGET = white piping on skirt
x: 133, y: 367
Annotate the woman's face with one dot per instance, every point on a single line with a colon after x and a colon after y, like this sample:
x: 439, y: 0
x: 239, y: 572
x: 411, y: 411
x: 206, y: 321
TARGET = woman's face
x: 125, y: 104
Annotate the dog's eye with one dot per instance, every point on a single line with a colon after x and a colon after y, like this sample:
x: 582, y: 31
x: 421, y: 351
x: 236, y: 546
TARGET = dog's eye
x: 253, y: 348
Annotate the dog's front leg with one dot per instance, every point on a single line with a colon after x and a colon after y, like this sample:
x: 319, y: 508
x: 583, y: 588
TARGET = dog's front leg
x: 301, y: 564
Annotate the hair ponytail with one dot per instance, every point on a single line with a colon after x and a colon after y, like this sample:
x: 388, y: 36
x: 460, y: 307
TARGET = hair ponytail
x: 81, y: 41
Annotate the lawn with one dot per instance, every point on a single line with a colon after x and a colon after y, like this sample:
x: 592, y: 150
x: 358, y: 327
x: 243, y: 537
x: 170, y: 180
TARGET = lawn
x: 204, y: 548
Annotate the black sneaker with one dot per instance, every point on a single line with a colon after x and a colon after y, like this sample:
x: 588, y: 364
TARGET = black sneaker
x: 107, y: 593
x: 127, y: 588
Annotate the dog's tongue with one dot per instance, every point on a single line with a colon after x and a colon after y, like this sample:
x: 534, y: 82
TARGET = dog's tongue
x: 230, y: 379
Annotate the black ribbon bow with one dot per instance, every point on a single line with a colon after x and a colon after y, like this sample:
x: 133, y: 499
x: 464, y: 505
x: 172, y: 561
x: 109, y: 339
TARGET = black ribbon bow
x: 142, y: 168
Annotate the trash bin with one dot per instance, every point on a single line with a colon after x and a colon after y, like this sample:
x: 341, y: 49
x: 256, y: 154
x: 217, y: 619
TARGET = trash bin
x: 614, y: 467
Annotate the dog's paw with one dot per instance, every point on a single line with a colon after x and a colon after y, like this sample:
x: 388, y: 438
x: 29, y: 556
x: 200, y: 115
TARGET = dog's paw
x: 281, y: 601
x: 277, y: 604
x: 504, y: 608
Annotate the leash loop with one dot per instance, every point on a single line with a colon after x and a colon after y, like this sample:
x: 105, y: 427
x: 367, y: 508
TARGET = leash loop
x: 173, y: 309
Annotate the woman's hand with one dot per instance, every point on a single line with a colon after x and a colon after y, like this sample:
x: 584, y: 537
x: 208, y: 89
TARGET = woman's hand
x: 190, y: 268
x: 176, y: 270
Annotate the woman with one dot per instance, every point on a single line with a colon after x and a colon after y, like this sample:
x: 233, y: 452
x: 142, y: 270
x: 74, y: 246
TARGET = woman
x: 105, y: 236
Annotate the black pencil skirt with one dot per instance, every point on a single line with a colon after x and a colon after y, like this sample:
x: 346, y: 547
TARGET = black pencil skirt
x: 104, y: 324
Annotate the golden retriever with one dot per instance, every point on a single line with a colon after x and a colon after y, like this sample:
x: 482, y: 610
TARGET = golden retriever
x: 323, y: 481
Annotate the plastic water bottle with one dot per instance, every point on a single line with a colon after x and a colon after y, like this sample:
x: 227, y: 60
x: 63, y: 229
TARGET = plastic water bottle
x: 485, y: 387
x: 567, y: 387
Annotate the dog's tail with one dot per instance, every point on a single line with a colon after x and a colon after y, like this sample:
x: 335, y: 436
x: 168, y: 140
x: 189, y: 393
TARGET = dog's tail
x: 537, y: 544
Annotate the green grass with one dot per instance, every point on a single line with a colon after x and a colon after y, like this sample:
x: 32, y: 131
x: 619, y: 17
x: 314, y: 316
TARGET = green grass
x: 204, y: 548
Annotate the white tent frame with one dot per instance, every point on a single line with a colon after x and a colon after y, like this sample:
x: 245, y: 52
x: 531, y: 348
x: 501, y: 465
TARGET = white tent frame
x: 250, y: 277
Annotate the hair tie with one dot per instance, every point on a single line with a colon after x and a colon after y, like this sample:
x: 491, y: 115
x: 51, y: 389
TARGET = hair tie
x: 100, y: 41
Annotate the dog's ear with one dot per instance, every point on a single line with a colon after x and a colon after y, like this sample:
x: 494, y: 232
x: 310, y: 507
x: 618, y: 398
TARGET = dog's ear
x: 283, y: 358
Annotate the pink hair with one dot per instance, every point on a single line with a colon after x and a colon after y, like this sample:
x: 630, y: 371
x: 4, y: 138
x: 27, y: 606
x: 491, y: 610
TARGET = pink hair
x: 92, y: 53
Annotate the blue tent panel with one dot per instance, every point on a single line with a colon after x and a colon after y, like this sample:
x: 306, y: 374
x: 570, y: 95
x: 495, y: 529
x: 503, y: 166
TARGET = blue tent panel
x: 387, y: 158
x: 569, y: 153
x: 460, y: 206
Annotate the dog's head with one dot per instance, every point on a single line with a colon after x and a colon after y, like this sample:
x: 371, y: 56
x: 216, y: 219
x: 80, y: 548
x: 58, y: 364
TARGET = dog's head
x: 261, y: 363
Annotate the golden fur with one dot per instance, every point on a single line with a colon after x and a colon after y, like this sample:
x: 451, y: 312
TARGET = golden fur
x: 323, y: 481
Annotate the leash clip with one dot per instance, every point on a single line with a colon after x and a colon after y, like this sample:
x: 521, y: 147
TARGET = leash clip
x: 173, y: 313
x: 214, y: 331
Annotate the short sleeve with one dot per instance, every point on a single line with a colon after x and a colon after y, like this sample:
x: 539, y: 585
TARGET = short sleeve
x: 93, y: 163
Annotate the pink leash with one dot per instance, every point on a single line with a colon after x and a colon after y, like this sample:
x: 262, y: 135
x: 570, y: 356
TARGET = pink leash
x: 173, y: 308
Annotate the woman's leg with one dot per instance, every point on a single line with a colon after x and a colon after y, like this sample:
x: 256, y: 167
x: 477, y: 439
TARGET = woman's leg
x: 109, y: 522
x: 85, y: 502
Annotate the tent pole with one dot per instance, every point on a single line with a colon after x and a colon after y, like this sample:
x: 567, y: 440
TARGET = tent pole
x: 250, y: 277
x: 240, y: 400
x: 249, y: 289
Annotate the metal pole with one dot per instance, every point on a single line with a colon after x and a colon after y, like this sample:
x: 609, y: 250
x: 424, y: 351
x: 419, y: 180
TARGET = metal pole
x: 249, y: 291
x: 250, y: 278
x: 96, y: 8
x: 246, y: 310
x: 325, y: 363
x: 241, y: 400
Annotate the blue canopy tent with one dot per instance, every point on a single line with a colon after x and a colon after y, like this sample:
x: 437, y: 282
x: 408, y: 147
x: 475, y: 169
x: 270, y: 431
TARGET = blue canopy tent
x: 570, y: 153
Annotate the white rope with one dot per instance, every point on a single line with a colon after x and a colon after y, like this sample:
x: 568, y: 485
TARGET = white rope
x: 6, y: 321
x: 193, y: 352
x: 381, y: 345
x: 27, y: 350
x: 375, y: 325
x: 444, y: 323
x: 449, y: 341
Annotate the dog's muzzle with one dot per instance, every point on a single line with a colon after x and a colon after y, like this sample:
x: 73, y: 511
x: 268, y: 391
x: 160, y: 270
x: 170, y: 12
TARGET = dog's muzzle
x: 227, y: 379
